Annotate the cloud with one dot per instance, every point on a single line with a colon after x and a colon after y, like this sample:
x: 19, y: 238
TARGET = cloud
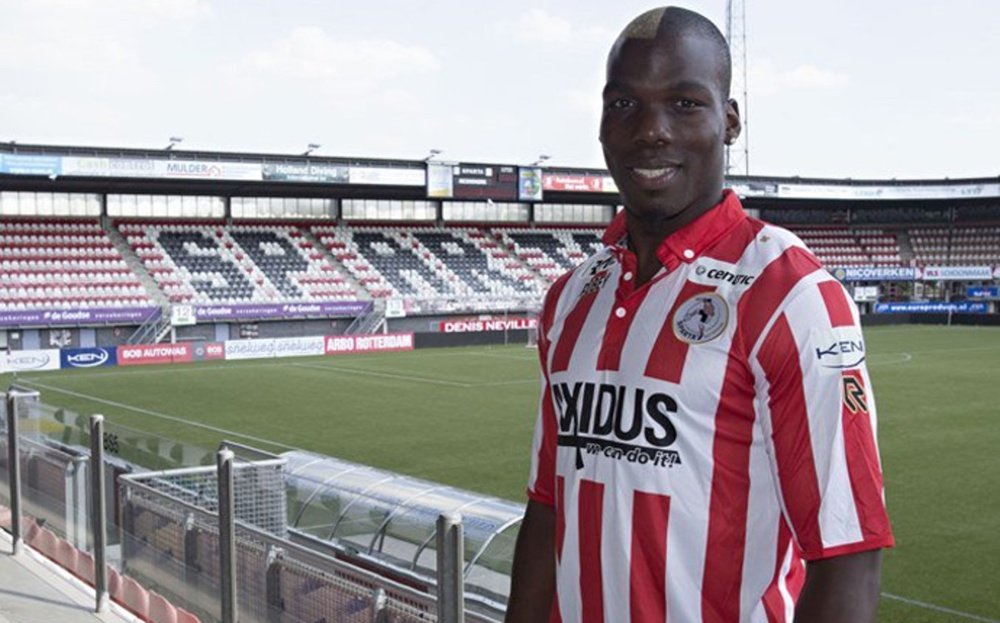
x: 309, y: 53
x: 767, y: 79
x: 539, y: 26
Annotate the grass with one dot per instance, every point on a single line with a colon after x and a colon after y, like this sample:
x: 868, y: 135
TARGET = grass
x: 464, y: 417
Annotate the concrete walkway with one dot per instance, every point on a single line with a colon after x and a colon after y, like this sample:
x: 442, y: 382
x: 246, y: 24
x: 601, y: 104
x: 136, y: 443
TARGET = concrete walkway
x: 35, y: 590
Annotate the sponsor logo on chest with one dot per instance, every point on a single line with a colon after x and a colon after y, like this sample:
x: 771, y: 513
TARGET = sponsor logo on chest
x: 616, y: 422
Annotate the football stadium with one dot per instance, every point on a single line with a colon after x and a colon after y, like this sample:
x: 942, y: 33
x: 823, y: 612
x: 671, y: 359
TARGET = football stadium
x: 245, y: 386
x: 362, y: 332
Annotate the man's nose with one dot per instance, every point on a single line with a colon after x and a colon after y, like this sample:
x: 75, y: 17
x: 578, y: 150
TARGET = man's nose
x: 653, y: 126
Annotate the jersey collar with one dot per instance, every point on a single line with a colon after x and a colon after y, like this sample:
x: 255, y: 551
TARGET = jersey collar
x: 691, y: 241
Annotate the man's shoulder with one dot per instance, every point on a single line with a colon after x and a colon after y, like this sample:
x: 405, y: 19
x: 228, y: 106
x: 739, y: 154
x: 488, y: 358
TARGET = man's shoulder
x: 579, y: 275
x: 776, y: 234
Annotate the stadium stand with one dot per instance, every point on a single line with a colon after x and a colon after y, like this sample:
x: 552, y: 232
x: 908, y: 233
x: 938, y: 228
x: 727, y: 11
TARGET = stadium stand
x: 58, y: 264
x: 426, y: 262
x: 478, y: 261
x: 550, y: 252
x: 840, y: 246
x: 199, y: 263
x: 959, y: 246
x: 974, y: 245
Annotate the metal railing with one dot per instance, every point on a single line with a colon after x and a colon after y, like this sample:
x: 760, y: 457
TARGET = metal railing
x: 197, y: 537
x: 153, y: 329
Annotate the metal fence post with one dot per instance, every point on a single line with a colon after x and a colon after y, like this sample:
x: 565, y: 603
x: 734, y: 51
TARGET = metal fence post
x: 227, y: 536
x: 450, y: 562
x: 98, y: 513
x: 14, y: 473
x: 378, y: 605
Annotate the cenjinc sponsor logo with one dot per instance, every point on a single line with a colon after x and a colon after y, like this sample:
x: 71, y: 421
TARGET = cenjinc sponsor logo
x: 616, y: 422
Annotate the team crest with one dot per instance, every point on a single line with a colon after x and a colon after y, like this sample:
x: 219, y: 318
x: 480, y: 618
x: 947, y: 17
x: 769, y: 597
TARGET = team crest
x: 599, y: 274
x: 701, y: 318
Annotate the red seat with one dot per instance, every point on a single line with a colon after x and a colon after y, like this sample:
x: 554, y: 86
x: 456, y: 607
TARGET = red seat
x: 161, y: 610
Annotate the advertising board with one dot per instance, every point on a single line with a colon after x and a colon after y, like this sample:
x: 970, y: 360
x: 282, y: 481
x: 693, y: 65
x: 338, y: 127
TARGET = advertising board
x: 255, y: 311
x: 487, y: 323
x: 63, y: 317
x: 386, y: 176
x: 988, y: 292
x: 439, y: 180
x: 958, y: 273
x: 305, y: 172
x: 88, y: 357
x: 274, y: 347
x: 931, y: 307
x: 148, y: 354
x: 875, y: 273
x: 342, y: 344
x: 160, y: 169
x: 18, y: 164
x: 29, y: 360
x: 529, y: 184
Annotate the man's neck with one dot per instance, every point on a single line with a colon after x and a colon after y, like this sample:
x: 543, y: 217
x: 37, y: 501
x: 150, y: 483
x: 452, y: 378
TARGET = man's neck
x: 645, y: 235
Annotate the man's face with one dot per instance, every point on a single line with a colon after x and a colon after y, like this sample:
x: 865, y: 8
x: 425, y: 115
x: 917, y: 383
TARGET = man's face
x: 665, y: 124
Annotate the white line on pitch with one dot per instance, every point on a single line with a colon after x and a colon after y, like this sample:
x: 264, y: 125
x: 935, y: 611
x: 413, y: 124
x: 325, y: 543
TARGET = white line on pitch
x: 172, y: 418
x: 922, y: 604
x: 387, y: 375
x: 514, y: 382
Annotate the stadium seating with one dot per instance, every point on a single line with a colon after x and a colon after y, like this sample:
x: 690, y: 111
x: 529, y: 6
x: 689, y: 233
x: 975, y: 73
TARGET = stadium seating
x: 428, y: 263
x: 550, y: 252
x: 959, y: 246
x: 199, y: 263
x: 975, y: 246
x: 841, y: 246
x: 64, y: 264
x: 477, y: 262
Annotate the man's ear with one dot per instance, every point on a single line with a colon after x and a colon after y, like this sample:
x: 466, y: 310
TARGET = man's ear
x: 733, y: 123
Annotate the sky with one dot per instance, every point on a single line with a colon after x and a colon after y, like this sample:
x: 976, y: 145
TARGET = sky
x: 862, y: 89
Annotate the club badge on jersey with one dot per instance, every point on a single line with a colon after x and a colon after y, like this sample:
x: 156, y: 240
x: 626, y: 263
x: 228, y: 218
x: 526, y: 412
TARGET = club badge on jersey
x: 701, y: 318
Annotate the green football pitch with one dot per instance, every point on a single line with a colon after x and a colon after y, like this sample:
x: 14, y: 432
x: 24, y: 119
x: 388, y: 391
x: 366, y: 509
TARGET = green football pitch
x: 464, y: 417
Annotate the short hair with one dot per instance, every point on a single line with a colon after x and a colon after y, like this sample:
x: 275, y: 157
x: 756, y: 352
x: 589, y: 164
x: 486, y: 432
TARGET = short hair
x: 671, y: 22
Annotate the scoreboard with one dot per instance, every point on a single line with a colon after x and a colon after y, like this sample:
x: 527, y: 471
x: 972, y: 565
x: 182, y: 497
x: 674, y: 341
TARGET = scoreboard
x: 472, y: 181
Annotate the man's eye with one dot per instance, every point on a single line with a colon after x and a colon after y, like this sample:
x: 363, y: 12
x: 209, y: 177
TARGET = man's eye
x: 621, y: 103
x: 687, y: 104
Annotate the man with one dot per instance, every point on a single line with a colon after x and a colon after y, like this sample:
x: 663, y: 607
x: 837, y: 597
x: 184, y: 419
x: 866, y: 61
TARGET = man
x: 706, y: 423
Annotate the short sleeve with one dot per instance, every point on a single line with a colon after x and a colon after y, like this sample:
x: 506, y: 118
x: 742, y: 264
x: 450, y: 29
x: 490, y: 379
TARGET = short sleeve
x: 815, y: 402
x: 541, y: 480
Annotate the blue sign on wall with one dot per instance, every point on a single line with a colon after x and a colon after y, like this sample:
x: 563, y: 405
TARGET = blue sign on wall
x: 88, y: 357
x: 931, y: 307
x: 17, y: 164
x: 987, y: 292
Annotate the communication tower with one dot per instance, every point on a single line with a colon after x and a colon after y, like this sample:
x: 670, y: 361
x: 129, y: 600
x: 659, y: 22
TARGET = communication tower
x: 738, y: 154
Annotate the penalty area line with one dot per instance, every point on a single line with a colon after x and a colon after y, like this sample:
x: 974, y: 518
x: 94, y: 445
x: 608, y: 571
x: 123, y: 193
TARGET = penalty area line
x: 158, y: 414
x: 927, y: 606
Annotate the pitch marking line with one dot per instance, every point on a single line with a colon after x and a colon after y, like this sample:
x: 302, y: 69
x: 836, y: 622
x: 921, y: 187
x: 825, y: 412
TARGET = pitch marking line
x: 387, y: 375
x: 406, y: 377
x: 923, y: 604
x: 165, y: 416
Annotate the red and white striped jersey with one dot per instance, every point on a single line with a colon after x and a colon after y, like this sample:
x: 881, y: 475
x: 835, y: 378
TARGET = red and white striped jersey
x: 703, y: 434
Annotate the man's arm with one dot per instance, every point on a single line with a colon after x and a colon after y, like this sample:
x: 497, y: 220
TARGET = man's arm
x: 533, y: 579
x: 842, y: 589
